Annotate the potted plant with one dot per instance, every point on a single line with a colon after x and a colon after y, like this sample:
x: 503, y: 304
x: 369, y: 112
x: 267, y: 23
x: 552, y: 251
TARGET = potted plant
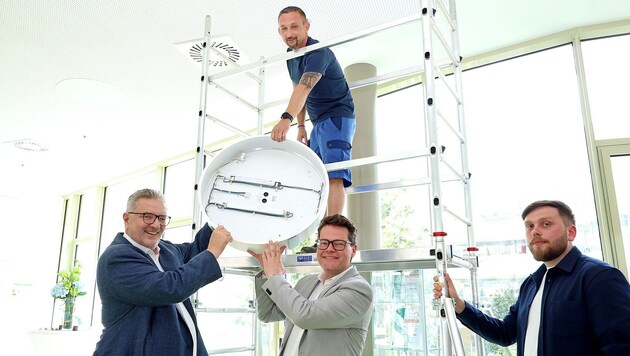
x: 68, y: 287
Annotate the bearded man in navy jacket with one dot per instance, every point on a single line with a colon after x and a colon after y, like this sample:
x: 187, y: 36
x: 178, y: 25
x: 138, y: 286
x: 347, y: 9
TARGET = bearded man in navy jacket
x: 572, y: 305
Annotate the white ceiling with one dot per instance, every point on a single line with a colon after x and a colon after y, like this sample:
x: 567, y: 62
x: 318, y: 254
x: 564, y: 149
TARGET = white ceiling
x: 134, y: 50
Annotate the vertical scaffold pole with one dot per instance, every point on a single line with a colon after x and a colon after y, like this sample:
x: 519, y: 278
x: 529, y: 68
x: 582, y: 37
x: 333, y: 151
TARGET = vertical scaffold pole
x: 201, y: 128
x: 457, y: 73
x: 471, y: 256
x: 460, y: 118
x: 448, y: 322
x: 261, y: 98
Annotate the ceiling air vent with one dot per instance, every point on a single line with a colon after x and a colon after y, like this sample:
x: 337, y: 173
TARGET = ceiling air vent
x: 230, y: 53
x: 223, y: 52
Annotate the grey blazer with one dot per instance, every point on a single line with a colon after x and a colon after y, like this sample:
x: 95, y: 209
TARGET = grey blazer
x: 335, y: 324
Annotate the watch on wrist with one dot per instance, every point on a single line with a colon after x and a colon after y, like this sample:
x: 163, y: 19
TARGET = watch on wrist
x: 286, y: 115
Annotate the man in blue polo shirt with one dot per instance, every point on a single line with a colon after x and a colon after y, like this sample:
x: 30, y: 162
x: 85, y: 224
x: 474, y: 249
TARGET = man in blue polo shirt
x: 319, y: 88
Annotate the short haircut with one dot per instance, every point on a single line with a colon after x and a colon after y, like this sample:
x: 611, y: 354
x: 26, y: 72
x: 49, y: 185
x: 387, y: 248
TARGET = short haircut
x: 341, y: 221
x: 290, y: 9
x: 563, y: 209
x: 144, y: 193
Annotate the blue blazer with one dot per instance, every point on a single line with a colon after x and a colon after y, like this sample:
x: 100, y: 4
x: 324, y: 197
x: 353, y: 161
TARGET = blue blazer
x: 138, y: 300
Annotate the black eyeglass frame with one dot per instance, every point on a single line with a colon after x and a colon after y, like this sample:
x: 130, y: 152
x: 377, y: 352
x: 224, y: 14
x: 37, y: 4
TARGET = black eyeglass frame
x: 152, y: 217
x: 328, y: 242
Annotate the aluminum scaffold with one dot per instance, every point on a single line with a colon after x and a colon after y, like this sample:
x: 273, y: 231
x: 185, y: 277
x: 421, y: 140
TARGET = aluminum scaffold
x: 435, y: 15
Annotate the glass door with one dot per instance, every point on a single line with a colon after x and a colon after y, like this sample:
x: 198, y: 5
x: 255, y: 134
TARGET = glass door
x: 614, y: 164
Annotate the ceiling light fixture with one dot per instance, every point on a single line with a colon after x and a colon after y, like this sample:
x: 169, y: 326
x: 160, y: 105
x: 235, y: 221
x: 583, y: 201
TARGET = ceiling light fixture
x: 30, y: 145
x: 89, y: 91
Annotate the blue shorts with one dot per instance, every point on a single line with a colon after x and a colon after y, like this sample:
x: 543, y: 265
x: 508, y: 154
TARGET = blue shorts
x: 331, y: 140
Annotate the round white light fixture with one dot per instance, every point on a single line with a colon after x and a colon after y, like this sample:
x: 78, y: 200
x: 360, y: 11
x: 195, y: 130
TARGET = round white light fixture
x: 89, y: 91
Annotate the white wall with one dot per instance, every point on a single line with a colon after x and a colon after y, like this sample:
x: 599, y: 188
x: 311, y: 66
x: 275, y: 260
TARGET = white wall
x: 30, y: 239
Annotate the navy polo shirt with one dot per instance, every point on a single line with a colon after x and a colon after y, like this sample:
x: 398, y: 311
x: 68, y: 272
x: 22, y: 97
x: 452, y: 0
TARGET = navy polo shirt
x: 331, y: 96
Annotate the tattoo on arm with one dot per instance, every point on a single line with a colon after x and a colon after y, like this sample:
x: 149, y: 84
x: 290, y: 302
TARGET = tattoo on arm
x: 309, y: 79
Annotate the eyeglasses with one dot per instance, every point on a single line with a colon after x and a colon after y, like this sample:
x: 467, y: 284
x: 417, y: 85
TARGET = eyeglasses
x: 149, y: 218
x: 338, y: 245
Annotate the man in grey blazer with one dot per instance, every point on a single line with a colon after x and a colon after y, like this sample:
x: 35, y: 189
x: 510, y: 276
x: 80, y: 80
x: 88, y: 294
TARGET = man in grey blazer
x: 326, y: 314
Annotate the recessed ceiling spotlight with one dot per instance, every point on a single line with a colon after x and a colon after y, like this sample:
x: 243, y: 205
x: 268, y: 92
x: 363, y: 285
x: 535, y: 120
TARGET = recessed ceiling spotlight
x: 89, y: 91
x: 30, y: 145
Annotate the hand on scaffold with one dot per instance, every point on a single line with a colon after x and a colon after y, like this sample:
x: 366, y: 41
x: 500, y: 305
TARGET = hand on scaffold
x: 460, y: 305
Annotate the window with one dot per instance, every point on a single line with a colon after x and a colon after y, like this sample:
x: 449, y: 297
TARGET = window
x: 179, y: 180
x: 526, y: 142
x: 116, y: 196
x: 605, y: 78
x: 85, y: 250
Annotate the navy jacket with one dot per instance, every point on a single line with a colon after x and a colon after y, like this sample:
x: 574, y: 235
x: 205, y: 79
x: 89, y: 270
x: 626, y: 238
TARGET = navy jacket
x: 585, y: 311
x: 139, y: 313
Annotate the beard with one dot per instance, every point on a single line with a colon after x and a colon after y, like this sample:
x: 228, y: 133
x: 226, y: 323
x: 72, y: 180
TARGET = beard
x: 549, y: 251
x: 295, y: 45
